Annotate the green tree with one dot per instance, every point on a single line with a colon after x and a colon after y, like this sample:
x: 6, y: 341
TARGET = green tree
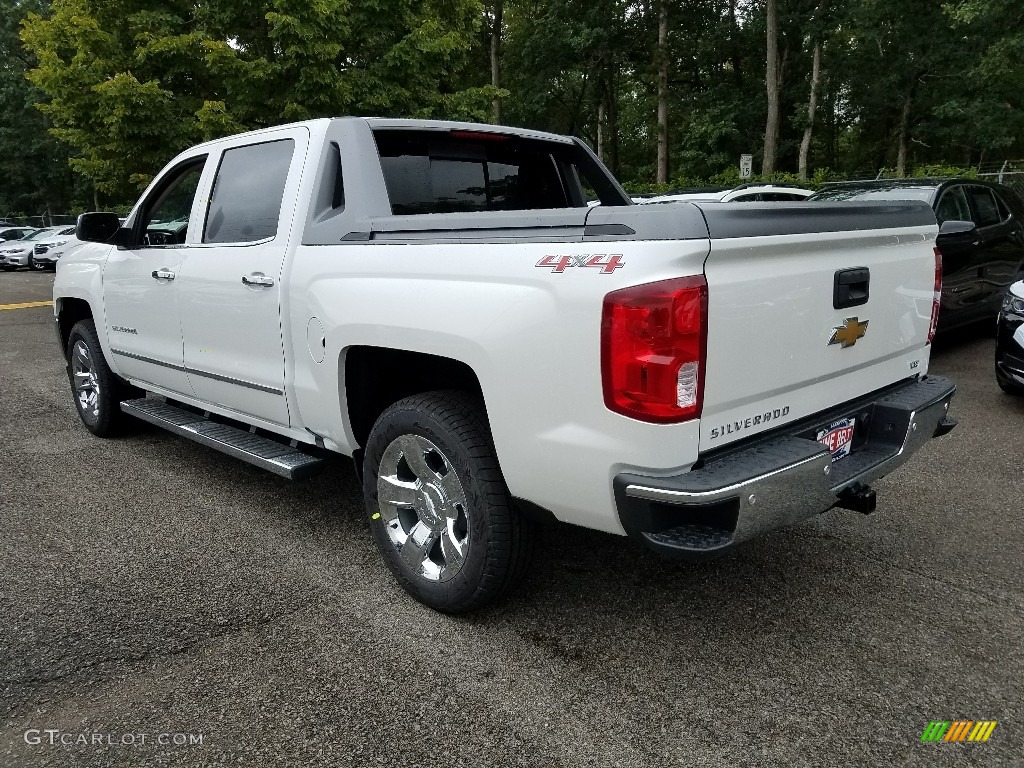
x: 994, y: 94
x: 129, y: 82
x: 124, y: 82
x: 34, y: 176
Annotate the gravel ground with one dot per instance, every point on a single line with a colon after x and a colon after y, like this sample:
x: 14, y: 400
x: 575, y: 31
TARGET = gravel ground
x: 152, y: 587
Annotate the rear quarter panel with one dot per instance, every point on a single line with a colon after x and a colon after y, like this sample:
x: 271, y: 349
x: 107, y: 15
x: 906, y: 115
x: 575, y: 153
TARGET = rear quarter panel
x: 531, y: 335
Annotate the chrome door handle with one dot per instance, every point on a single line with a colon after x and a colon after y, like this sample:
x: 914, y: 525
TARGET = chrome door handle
x: 257, y: 278
x: 163, y: 274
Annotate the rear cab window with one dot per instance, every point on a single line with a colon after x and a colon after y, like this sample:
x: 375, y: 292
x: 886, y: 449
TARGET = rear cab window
x: 468, y: 171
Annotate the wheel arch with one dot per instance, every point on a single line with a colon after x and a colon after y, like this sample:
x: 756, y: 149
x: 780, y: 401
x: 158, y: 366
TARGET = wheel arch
x: 376, y: 377
x: 69, y: 311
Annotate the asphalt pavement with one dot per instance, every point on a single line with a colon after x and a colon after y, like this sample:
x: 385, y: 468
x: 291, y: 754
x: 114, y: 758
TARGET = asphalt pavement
x: 154, y: 592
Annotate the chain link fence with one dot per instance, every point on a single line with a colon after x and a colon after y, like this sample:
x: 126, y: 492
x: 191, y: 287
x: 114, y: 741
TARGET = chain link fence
x: 1007, y: 172
x: 42, y: 220
x: 1010, y: 173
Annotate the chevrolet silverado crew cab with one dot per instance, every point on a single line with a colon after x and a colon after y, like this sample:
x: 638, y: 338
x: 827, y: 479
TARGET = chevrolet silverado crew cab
x: 438, y: 301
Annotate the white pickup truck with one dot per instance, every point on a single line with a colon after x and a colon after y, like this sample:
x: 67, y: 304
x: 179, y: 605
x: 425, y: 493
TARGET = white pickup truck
x: 438, y: 301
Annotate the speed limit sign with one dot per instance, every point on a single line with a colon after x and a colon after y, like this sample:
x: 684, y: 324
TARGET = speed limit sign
x: 746, y: 166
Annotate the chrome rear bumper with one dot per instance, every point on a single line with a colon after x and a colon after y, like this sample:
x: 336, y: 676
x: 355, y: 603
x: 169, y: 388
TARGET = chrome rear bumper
x: 775, y: 481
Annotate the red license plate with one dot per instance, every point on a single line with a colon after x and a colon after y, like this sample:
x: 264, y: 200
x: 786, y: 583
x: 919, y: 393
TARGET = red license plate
x: 837, y: 437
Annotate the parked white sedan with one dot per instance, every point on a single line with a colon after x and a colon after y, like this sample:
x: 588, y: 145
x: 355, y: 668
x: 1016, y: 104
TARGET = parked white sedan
x: 745, y: 193
x: 18, y: 253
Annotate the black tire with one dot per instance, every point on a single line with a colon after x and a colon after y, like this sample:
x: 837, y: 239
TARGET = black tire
x: 497, y: 539
x: 102, y: 415
x: 1007, y: 386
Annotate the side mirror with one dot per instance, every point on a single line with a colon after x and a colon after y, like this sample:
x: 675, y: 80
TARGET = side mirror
x: 101, y: 228
x: 955, y: 227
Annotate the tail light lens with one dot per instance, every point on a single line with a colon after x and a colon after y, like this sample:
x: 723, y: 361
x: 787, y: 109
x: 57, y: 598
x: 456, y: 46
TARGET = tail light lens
x: 936, y: 296
x: 653, y: 349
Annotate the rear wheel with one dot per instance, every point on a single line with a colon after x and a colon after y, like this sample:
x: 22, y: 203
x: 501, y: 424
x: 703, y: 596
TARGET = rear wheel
x: 98, y: 391
x: 1008, y: 386
x: 439, y: 509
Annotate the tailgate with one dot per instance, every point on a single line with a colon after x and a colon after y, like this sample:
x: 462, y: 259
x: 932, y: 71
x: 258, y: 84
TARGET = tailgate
x: 778, y: 347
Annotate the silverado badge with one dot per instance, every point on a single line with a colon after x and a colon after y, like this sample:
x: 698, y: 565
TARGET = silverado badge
x: 848, y: 333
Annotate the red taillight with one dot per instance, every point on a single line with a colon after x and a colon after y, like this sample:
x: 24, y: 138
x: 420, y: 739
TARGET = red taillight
x: 653, y: 348
x: 936, y: 296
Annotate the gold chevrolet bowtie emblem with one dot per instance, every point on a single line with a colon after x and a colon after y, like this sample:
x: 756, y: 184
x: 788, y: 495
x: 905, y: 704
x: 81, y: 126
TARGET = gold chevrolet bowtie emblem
x: 848, y: 333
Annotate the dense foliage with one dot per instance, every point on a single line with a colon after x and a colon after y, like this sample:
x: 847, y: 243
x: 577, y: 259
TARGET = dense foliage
x: 98, y: 94
x: 34, y: 170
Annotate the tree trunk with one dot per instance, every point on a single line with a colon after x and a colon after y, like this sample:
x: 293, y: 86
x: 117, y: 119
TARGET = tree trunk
x: 663, y: 92
x: 602, y: 119
x: 901, y: 153
x: 613, y: 124
x: 95, y: 199
x: 832, y: 142
x: 496, y: 23
x: 812, y: 106
x: 737, y: 54
x: 772, y: 77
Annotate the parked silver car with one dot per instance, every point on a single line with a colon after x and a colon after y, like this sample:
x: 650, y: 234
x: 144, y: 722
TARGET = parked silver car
x: 18, y: 253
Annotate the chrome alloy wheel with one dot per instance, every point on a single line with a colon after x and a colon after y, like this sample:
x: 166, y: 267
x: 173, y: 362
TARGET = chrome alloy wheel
x: 87, y: 386
x: 423, y: 504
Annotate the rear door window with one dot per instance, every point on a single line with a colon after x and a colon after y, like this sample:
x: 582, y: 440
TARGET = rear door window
x: 437, y: 172
x: 1004, y: 209
x: 245, y: 205
x: 953, y: 206
x: 983, y: 204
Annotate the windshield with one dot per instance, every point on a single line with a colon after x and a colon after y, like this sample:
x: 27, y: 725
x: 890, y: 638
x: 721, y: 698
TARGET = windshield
x: 871, y: 193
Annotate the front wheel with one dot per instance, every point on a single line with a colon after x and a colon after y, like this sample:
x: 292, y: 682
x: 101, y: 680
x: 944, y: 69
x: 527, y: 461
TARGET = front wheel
x: 98, y: 391
x: 440, y: 511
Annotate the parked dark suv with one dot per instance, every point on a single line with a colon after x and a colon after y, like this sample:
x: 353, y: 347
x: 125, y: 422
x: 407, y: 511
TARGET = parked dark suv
x: 979, y: 259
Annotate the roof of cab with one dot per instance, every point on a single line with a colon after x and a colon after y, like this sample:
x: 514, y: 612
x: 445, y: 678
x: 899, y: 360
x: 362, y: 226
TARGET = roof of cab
x: 389, y: 123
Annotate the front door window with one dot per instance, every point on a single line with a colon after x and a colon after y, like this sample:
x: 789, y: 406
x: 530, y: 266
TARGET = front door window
x: 166, y: 215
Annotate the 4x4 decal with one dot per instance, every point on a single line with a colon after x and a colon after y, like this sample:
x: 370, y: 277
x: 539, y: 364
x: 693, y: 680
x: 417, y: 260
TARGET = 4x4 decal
x: 607, y: 263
